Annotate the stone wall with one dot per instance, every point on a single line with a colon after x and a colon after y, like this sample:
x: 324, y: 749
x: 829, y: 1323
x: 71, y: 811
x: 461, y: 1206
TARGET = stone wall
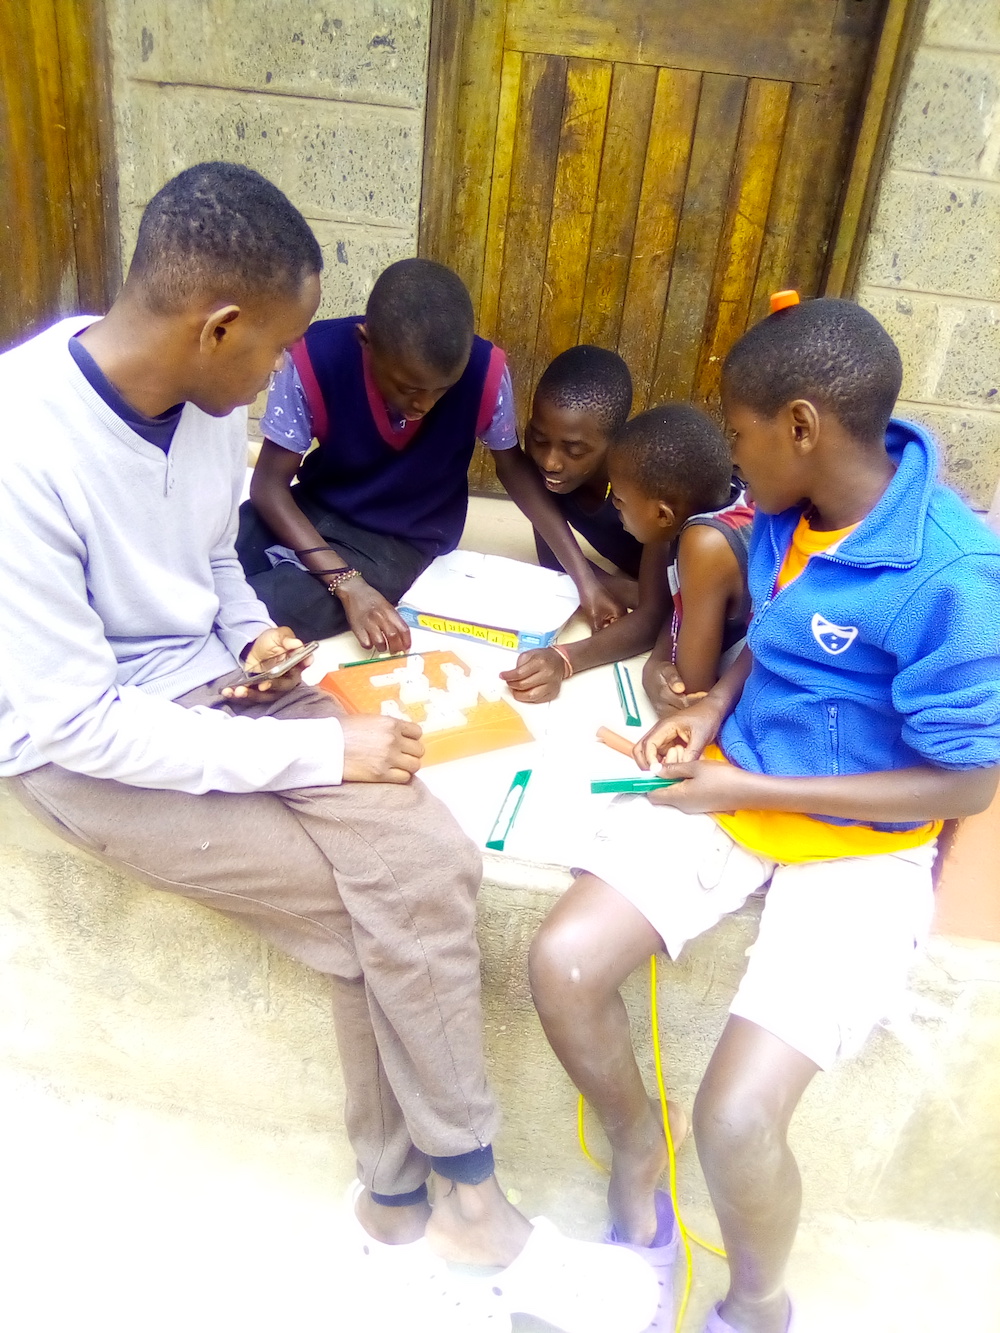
x: 325, y: 98
x: 932, y: 265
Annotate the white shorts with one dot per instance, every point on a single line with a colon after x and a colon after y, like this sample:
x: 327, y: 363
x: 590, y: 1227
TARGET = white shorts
x: 836, y: 938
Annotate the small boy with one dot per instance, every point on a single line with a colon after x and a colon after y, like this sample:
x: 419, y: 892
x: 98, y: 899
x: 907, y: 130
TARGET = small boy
x: 397, y: 400
x: 864, y: 711
x: 671, y: 483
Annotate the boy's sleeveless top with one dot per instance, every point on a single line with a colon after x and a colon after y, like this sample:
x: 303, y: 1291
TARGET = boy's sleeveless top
x: 734, y: 521
x: 411, y: 483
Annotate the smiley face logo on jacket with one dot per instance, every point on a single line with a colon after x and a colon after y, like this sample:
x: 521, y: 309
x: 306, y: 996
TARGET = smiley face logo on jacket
x: 833, y: 639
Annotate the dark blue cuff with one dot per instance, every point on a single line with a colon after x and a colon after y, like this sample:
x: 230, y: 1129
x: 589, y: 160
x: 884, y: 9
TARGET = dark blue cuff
x: 468, y: 1168
x: 419, y: 1195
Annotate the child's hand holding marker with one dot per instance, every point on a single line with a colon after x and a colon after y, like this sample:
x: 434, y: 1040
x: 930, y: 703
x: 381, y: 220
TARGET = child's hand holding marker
x: 679, y: 738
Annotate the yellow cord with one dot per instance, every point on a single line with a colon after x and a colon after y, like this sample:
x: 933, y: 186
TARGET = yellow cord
x: 686, y: 1235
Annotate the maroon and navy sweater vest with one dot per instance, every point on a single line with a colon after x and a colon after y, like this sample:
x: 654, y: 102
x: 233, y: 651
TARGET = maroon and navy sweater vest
x: 410, y: 483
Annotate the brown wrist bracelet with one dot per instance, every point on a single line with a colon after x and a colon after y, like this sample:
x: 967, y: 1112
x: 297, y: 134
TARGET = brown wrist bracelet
x: 565, y: 657
x: 337, y: 580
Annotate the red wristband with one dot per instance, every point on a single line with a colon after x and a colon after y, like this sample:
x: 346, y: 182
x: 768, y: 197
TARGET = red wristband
x: 565, y: 657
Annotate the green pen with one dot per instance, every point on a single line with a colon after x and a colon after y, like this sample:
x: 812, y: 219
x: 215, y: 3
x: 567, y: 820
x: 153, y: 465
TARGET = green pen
x: 607, y: 786
x: 375, y: 657
x: 626, y: 696
x: 504, y: 821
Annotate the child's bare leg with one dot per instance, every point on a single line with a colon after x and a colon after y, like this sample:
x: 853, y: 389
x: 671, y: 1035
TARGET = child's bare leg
x: 586, y: 948
x: 751, y: 1088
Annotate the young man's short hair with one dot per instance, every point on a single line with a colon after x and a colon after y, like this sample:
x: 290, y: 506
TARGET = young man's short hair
x: 421, y: 309
x: 589, y: 379
x: 221, y: 231
x: 676, y: 453
x: 831, y: 352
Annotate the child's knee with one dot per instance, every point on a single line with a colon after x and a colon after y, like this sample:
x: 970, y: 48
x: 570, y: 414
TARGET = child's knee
x: 733, y: 1125
x: 562, y: 966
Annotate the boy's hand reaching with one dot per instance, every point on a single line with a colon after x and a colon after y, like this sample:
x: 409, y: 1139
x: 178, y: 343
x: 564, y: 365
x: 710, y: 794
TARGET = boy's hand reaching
x: 680, y: 737
x: 537, y: 677
x: 374, y: 620
x: 665, y: 689
x: 600, y: 606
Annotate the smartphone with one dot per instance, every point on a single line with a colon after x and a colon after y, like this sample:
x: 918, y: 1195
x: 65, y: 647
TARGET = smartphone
x: 282, y: 664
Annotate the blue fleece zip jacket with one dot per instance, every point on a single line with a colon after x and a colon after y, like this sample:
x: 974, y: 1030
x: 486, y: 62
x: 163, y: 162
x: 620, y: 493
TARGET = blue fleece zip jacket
x: 885, y: 652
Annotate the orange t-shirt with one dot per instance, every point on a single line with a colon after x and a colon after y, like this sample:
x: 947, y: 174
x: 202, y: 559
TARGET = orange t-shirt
x: 785, y: 836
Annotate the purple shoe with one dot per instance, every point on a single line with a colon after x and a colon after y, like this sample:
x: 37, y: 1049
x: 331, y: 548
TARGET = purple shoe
x: 661, y: 1256
x: 716, y: 1323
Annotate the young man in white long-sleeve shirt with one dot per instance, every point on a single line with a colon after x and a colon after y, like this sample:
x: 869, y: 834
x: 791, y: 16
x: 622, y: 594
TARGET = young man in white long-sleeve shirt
x: 124, y: 617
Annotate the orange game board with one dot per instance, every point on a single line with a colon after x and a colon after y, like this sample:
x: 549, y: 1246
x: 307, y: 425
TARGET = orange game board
x: 489, y: 725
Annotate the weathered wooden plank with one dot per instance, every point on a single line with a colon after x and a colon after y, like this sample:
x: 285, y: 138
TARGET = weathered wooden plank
x: 581, y: 143
x: 792, y: 251
x: 720, y: 110
x: 533, y: 171
x: 630, y: 109
x: 38, y: 260
x: 900, y: 30
x: 758, y: 151
x: 656, y: 229
x: 85, y: 71
x: 499, y: 192
x: 474, y: 131
x: 777, y: 39
x: 445, y: 57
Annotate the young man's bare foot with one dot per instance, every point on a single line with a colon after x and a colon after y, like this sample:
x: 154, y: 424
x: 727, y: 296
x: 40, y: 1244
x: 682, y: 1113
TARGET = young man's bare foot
x: 392, y: 1226
x: 475, y: 1224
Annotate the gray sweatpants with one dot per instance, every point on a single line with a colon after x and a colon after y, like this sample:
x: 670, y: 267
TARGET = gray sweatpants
x: 370, y: 883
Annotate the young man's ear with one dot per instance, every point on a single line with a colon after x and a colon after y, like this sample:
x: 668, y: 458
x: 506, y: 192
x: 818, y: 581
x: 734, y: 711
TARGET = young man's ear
x: 216, y: 328
x: 362, y: 335
x: 804, y: 422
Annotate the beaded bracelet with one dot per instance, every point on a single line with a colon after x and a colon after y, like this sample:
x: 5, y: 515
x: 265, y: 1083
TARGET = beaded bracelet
x: 565, y: 657
x: 337, y: 580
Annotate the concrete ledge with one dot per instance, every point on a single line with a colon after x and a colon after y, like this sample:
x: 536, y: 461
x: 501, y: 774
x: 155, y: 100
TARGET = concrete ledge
x: 113, y: 989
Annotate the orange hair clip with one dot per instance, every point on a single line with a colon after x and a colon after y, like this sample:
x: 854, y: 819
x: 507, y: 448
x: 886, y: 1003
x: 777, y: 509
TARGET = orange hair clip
x: 782, y: 300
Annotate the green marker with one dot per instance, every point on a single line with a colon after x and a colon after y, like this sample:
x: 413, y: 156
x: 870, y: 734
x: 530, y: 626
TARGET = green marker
x: 608, y: 786
x: 375, y: 657
x: 626, y: 696
x: 504, y: 821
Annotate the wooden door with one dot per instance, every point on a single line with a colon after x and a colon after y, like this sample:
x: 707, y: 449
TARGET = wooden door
x: 640, y: 174
x: 55, y: 219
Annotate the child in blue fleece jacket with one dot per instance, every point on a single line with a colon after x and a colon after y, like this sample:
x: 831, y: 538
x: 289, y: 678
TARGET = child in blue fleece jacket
x: 863, y: 712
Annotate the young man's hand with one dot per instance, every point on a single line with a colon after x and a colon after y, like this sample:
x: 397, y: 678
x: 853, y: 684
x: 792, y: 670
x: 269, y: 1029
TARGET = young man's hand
x: 537, y: 677
x: 267, y: 650
x: 707, y: 786
x: 679, y: 737
x: 380, y: 749
x: 599, y: 604
x: 375, y: 621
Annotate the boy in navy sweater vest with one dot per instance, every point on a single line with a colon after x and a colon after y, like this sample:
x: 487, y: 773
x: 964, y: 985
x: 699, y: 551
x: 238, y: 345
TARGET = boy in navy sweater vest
x: 397, y: 401
x: 863, y: 712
